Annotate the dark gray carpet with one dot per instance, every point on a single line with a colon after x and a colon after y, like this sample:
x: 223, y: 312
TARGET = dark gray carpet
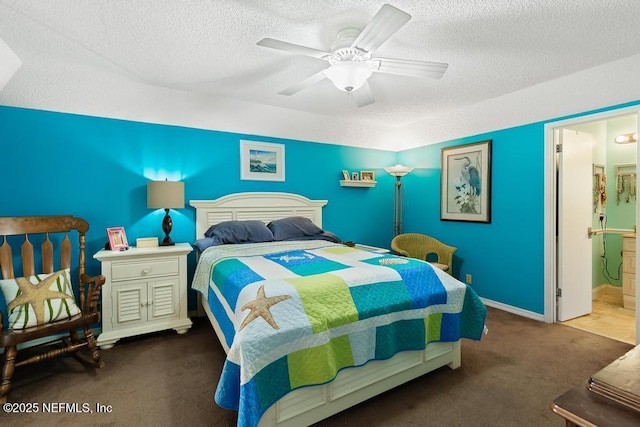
x: 509, y: 378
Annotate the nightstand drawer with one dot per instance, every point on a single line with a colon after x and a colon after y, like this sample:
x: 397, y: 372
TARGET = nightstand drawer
x: 135, y: 270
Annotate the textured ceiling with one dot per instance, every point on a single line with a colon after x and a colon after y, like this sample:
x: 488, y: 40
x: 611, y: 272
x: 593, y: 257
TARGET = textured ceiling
x: 208, y: 48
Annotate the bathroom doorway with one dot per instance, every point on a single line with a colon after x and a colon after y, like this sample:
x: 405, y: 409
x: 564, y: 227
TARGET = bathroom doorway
x: 598, y: 306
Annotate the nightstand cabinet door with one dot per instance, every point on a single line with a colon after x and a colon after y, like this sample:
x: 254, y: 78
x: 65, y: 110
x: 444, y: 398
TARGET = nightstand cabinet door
x: 145, y: 291
x: 146, y: 301
x: 129, y: 304
x: 163, y: 302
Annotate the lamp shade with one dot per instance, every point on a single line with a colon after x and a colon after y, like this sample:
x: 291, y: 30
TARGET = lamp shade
x: 348, y: 75
x: 398, y: 170
x: 165, y: 194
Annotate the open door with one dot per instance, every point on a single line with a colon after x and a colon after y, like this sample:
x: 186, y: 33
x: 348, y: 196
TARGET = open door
x: 575, y: 248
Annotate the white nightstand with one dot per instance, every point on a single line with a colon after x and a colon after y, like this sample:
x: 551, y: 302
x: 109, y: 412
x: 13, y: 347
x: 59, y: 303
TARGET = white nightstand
x: 145, y: 291
x: 371, y: 248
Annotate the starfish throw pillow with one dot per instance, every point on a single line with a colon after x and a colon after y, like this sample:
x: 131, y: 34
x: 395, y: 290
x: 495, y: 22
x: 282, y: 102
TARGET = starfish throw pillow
x: 39, y: 299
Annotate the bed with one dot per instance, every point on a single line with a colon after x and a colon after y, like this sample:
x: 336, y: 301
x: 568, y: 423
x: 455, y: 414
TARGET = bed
x: 316, y: 367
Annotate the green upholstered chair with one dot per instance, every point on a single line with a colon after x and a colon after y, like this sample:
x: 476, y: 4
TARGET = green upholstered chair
x: 420, y: 246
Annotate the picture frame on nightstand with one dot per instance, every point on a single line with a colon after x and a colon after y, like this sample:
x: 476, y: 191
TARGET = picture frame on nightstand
x: 117, y: 238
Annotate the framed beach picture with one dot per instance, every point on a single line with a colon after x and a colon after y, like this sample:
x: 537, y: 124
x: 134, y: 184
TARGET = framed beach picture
x: 465, y: 181
x: 117, y: 238
x: 261, y: 161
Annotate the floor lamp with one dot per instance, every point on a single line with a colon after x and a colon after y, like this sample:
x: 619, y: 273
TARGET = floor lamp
x: 398, y: 171
x: 165, y: 195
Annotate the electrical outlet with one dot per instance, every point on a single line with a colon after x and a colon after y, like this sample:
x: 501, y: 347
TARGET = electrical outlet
x: 469, y: 279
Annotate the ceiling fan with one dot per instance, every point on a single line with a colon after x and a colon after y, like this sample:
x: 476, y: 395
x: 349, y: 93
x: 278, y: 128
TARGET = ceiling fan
x: 351, y: 57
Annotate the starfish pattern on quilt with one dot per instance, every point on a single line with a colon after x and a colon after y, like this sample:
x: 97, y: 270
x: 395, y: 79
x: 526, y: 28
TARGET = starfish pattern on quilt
x: 260, y: 308
x: 36, y: 294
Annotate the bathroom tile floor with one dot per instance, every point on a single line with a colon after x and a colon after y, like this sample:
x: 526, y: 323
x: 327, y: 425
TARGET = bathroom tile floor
x: 608, y: 318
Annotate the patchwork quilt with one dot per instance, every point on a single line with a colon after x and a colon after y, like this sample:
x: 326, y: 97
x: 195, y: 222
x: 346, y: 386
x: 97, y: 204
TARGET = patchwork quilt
x: 295, y: 313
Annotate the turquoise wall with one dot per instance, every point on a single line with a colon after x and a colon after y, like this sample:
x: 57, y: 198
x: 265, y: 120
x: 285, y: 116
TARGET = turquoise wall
x: 98, y: 169
x: 505, y: 257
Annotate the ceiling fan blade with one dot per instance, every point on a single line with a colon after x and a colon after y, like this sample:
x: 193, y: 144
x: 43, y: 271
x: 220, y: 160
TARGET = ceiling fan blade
x: 409, y: 67
x: 293, y: 48
x: 363, y: 95
x: 383, y: 25
x: 297, y: 87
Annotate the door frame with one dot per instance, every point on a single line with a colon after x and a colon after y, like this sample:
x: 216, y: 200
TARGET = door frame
x: 550, y: 206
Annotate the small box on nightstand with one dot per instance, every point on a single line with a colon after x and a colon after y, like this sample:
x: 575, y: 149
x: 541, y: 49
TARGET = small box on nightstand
x: 146, y: 242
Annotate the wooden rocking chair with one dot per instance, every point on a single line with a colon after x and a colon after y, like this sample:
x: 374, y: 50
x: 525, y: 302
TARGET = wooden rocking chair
x: 59, y: 316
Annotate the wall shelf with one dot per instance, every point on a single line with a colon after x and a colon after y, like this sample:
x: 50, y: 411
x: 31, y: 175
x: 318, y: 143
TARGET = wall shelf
x: 357, y: 183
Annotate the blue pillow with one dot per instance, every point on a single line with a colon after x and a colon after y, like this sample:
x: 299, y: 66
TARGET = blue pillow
x: 293, y: 227
x: 252, y: 231
x: 205, y: 242
x: 325, y: 235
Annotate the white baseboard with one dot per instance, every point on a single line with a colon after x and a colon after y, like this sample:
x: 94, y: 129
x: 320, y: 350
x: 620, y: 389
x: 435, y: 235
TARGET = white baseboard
x: 511, y: 309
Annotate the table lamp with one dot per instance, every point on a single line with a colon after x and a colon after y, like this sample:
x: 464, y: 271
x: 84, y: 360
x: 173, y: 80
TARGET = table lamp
x: 165, y: 195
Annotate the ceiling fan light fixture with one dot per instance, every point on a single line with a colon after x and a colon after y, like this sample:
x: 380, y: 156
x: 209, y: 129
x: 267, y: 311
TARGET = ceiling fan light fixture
x: 348, y: 75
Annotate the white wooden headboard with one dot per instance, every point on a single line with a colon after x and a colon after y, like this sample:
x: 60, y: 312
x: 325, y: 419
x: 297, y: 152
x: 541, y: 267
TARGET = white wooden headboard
x: 265, y: 206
